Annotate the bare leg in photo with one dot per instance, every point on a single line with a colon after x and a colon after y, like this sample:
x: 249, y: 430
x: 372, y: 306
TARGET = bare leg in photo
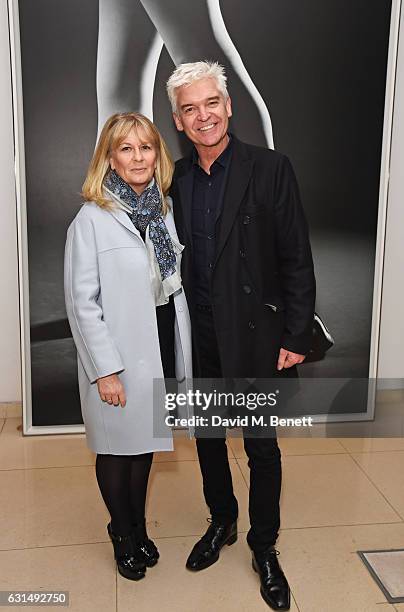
x: 129, y: 48
x: 129, y: 45
x: 195, y: 31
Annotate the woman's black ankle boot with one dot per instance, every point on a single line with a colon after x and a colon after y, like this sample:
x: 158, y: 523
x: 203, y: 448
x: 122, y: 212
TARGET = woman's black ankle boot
x: 129, y: 561
x: 145, y: 548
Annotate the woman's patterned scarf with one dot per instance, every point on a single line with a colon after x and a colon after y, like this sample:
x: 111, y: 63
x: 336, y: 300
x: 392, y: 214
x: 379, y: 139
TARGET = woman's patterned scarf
x: 146, y: 211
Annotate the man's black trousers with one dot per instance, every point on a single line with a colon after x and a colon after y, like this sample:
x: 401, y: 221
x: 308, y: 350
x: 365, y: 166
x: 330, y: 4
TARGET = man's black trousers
x: 264, y: 458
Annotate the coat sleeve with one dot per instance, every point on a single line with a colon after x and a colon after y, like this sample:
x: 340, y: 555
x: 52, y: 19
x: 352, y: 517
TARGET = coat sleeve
x: 94, y: 344
x: 296, y: 272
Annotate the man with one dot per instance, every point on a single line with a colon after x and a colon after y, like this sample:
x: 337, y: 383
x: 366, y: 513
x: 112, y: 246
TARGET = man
x: 248, y: 275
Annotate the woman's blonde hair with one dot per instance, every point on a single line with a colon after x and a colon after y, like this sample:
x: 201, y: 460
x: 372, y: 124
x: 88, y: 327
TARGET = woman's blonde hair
x: 113, y: 134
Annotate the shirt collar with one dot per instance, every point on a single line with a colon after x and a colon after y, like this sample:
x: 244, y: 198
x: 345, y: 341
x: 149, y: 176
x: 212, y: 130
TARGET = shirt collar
x: 223, y: 158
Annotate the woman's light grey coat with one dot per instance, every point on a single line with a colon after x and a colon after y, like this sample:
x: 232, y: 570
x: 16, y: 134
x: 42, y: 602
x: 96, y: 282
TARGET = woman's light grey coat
x: 112, y: 315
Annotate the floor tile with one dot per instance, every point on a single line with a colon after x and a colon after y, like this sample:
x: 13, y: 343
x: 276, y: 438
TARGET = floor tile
x: 387, y: 396
x: 50, y: 507
x: 18, y: 451
x: 14, y: 410
x: 230, y: 585
x: 176, y: 505
x: 2, y: 421
x: 321, y: 490
x: 32, y: 504
x: 386, y: 471
x: 3, y: 410
x: 310, y: 446
x: 235, y: 447
x: 294, y: 446
x: 326, y: 574
x: 87, y: 572
x: 370, y: 445
x: 184, y: 450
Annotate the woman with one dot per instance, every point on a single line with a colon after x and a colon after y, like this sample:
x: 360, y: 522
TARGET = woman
x: 127, y: 310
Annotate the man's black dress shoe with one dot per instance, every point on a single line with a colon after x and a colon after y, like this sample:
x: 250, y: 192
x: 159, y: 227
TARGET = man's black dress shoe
x: 274, y: 586
x: 206, y: 551
x: 128, y: 561
x: 145, y: 548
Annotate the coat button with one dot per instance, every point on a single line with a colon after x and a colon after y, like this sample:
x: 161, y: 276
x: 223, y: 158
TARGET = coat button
x: 242, y: 254
x: 247, y: 289
x: 251, y: 324
x: 246, y: 219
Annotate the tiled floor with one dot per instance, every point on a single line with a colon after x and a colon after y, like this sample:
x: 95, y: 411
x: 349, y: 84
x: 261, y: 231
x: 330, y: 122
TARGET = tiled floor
x: 339, y: 496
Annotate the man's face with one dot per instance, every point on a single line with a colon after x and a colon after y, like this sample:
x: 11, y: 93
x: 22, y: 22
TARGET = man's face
x: 202, y: 112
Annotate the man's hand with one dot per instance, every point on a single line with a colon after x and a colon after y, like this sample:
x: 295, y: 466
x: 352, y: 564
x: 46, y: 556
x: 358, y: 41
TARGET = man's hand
x: 111, y: 390
x: 287, y: 359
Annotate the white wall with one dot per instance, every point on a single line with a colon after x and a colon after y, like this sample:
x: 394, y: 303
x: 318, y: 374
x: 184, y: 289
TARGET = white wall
x: 391, y: 353
x: 391, y: 359
x: 10, y: 365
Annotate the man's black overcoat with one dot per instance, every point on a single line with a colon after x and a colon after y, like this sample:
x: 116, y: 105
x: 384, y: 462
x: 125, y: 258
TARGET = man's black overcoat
x: 262, y: 283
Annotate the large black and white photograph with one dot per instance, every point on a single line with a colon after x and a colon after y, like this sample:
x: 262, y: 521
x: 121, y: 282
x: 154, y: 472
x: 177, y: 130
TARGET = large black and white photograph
x: 307, y: 79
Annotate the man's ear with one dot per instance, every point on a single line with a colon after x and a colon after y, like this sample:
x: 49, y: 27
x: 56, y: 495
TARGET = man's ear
x: 228, y: 107
x: 178, y: 122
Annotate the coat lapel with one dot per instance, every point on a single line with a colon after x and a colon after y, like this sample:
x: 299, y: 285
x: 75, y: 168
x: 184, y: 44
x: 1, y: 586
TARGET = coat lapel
x: 120, y: 215
x: 237, y: 181
x: 185, y: 187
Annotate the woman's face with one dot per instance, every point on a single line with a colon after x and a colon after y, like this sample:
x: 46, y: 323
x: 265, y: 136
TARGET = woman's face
x: 135, y: 159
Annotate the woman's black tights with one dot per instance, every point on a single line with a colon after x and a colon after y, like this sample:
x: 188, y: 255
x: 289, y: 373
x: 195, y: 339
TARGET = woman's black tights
x: 122, y: 480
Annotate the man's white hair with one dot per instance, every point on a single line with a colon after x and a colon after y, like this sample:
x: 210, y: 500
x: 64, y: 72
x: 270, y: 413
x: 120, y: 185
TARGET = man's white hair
x: 186, y: 74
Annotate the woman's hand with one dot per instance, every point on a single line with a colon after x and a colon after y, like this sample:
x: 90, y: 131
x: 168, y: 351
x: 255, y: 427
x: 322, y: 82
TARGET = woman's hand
x: 111, y: 390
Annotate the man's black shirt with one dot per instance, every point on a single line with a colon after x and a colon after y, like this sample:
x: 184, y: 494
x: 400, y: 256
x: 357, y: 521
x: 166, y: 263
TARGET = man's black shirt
x: 207, y: 202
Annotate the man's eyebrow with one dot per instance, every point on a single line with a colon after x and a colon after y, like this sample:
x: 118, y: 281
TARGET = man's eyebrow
x: 211, y: 99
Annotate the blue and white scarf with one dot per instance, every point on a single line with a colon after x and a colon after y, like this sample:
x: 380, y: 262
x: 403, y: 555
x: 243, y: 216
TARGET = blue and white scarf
x: 144, y: 211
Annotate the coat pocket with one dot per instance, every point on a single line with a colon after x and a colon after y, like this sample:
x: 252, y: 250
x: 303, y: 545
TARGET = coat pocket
x: 252, y: 210
x: 275, y: 303
x: 116, y: 247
